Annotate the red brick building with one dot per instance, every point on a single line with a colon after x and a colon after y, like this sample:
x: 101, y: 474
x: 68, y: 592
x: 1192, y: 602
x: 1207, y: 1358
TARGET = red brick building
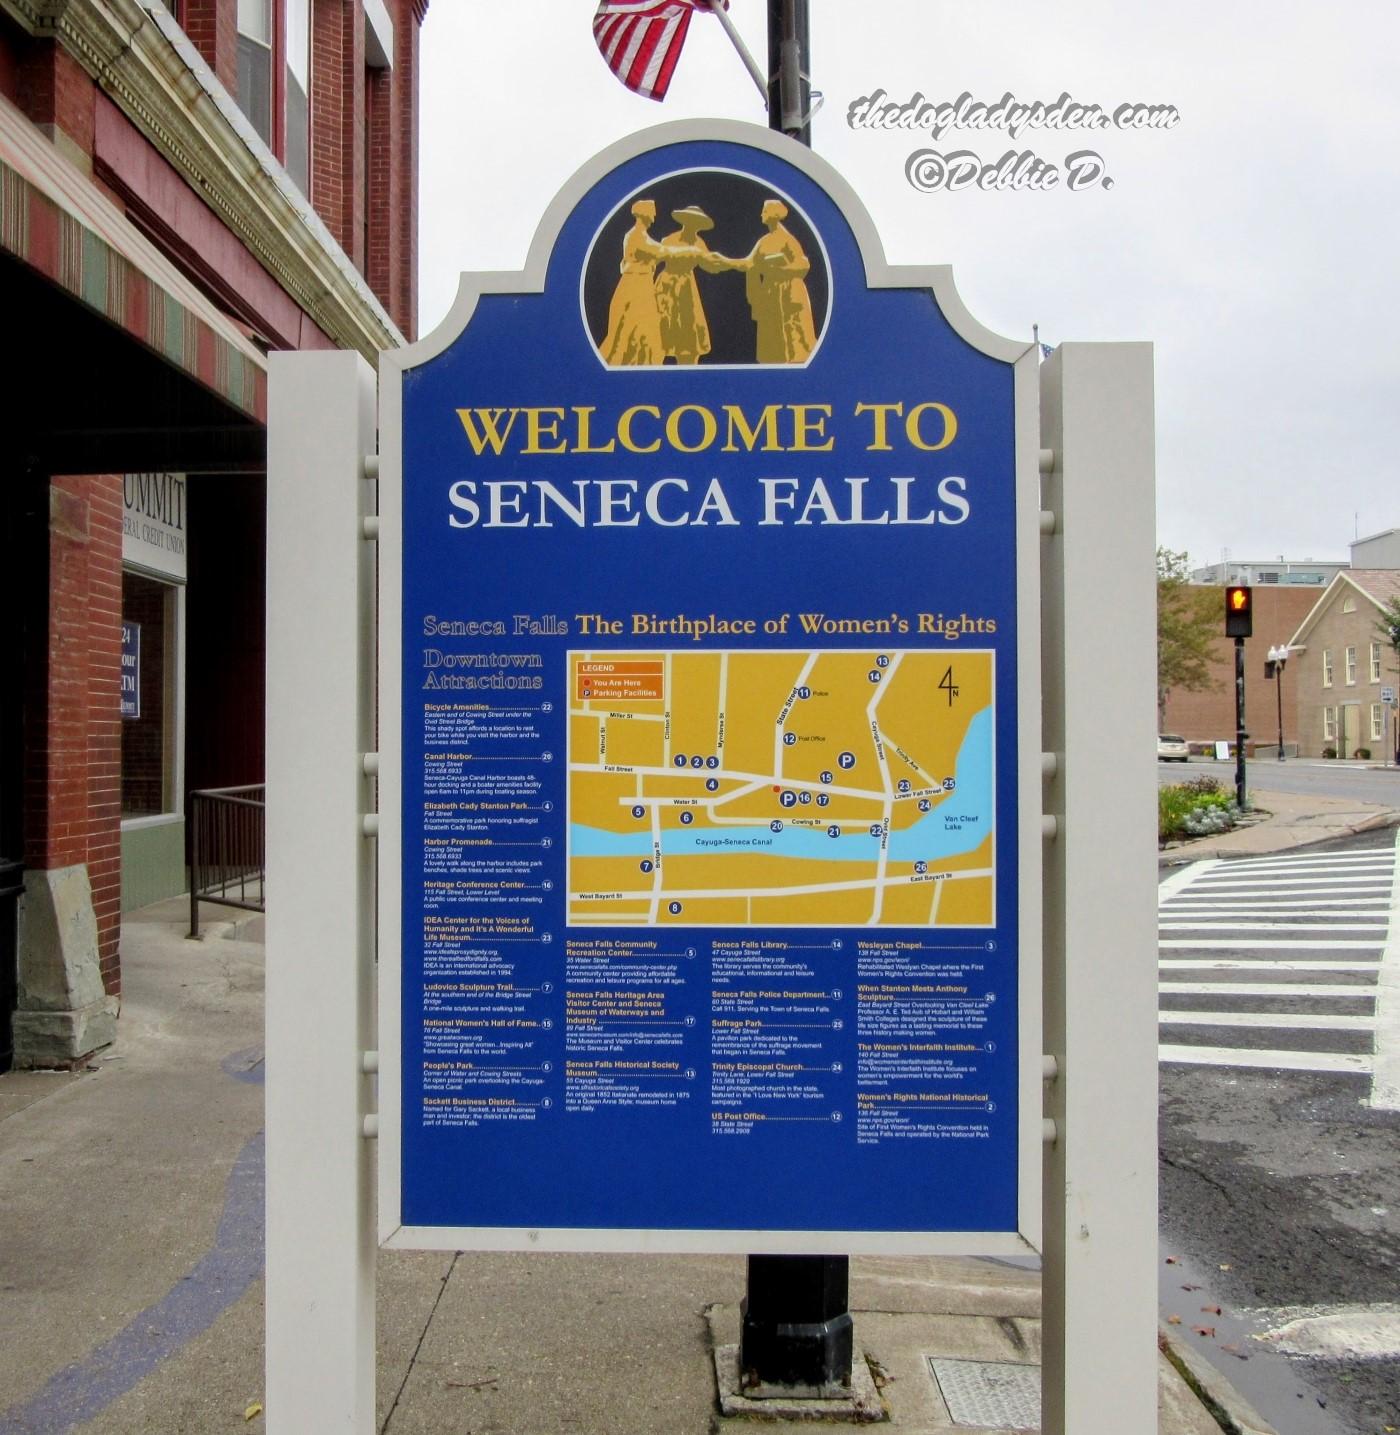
x: 1209, y: 716
x: 185, y: 185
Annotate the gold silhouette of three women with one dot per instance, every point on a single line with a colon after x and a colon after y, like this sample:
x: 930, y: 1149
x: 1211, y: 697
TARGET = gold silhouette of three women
x: 655, y: 316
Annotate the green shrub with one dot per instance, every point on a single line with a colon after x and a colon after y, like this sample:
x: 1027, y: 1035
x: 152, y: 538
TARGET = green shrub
x: 1192, y: 810
x: 1329, y: 752
x: 1364, y: 753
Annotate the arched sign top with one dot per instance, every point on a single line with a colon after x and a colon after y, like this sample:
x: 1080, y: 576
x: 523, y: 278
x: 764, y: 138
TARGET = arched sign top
x: 715, y: 190
x: 709, y: 732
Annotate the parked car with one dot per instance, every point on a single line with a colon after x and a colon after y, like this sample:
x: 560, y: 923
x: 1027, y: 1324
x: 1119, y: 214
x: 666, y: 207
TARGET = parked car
x: 1172, y: 749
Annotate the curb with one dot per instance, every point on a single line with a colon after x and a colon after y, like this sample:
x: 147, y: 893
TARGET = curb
x: 1187, y: 851
x: 1230, y: 1410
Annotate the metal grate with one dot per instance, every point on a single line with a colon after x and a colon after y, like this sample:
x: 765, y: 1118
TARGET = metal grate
x: 987, y: 1393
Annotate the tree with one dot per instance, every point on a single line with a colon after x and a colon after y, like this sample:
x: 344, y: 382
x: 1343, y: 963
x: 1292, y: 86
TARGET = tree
x: 1388, y: 626
x: 1188, y: 622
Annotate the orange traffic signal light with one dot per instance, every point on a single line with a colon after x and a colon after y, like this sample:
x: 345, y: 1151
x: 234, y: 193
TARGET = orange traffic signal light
x: 1239, y: 611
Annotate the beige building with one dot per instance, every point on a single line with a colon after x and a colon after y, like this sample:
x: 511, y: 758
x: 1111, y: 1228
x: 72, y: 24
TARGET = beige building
x: 1342, y: 665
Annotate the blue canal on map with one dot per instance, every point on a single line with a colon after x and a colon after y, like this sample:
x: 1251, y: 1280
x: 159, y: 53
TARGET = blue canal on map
x: 959, y: 823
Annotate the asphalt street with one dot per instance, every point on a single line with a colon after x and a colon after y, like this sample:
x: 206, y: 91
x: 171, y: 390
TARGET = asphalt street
x: 1280, y: 1133
x: 1312, y: 777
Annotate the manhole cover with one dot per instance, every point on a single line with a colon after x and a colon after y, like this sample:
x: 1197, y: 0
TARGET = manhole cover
x: 989, y: 1393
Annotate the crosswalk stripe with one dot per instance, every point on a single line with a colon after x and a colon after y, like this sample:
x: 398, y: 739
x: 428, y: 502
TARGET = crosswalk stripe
x: 1303, y: 859
x: 1188, y: 903
x: 1324, y: 1061
x: 1279, y: 1021
x: 1264, y: 989
x: 1215, y: 924
x: 1258, y: 964
x: 1385, y: 1088
x: 1249, y: 944
x: 1217, y: 883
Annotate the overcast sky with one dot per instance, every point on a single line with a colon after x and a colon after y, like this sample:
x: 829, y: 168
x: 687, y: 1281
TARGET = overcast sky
x: 1255, y: 244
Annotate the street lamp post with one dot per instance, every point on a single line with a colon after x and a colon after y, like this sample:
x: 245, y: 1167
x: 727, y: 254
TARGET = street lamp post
x: 1277, y: 658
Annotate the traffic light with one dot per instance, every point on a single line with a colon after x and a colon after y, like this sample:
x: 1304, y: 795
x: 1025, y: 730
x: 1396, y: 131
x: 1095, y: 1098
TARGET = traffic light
x: 1239, y: 611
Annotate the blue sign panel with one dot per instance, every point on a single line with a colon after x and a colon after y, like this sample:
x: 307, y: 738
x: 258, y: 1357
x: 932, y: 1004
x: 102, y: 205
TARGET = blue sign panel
x: 131, y: 670
x: 709, y: 688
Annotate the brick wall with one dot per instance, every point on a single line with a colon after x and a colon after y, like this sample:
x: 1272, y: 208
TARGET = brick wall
x: 56, y: 92
x: 212, y: 26
x: 379, y: 251
x: 1210, y: 716
x: 104, y: 716
x: 403, y: 198
x: 72, y: 722
x: 338, y: 122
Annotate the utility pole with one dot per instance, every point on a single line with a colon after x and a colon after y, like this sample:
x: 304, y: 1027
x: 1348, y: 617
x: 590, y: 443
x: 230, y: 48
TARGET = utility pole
x: 1239, y: 625
x: 797, y: 1335
x: 1240, y: 733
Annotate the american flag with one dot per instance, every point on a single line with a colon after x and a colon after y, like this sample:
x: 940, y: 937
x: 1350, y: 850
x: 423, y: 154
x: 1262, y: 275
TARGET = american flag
x: 641, y: 40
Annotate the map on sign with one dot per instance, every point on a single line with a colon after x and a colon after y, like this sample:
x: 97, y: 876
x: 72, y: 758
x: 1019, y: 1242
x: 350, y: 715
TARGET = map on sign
x: 781, y: 788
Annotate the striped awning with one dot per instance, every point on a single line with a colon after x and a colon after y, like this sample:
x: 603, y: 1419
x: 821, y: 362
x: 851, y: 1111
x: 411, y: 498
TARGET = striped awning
x: 54, y: 219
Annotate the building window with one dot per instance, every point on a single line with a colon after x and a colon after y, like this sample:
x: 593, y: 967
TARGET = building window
x: 1348, y: 604
x: 298, y: 148
x: 1351, y: 667
x: 149, y: 623
x: 1329, y: 724
x: 1375, y: 662
x: 1327, y: 667
x: 1377, y: 722
x: 255, y: 64
x: 152, y: 658
x: 274, y: 79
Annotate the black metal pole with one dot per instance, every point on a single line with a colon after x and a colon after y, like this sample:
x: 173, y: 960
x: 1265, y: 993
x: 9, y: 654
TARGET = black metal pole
x: 796, y: 1337
x: 1278, y: 678
x: 789, y: 69
x: 1240, y: 733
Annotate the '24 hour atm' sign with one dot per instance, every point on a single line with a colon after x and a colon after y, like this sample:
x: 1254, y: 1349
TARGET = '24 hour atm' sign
x: 709, y: 897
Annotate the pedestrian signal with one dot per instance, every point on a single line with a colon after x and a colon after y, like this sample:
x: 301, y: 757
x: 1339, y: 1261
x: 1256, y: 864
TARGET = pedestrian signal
x: 1239, y: 612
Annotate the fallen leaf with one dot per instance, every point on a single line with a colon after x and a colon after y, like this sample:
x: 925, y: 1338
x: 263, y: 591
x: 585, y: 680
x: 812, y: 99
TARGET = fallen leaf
x: 253, y: 1411
x: 1226, y: 1267
x: 1211, y: 1309
x: 1208, y: 1330
x: 1171, y: 1260
x: 1235, y: 1351
x: 1173, y: 1320
x: 1190, y: 1288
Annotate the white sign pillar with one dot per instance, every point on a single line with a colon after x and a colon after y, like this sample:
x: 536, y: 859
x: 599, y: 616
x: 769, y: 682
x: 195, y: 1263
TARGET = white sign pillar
x: 1099, y: 603
x: 320, y: 924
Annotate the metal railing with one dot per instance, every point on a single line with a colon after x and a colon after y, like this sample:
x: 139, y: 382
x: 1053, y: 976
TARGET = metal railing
x: 228, y: 849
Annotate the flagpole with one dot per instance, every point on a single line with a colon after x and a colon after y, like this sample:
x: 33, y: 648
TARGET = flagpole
x: 796, y: 1334
x: 744, y: 53
x: 790, y: 69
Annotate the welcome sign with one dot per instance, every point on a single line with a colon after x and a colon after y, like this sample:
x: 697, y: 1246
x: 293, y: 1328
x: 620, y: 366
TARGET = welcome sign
x: 710, y: 759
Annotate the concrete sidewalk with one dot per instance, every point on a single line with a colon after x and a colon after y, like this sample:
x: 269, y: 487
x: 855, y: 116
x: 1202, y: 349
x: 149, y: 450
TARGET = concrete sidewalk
x: 131, y: 1256
x: 1288, y: 820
